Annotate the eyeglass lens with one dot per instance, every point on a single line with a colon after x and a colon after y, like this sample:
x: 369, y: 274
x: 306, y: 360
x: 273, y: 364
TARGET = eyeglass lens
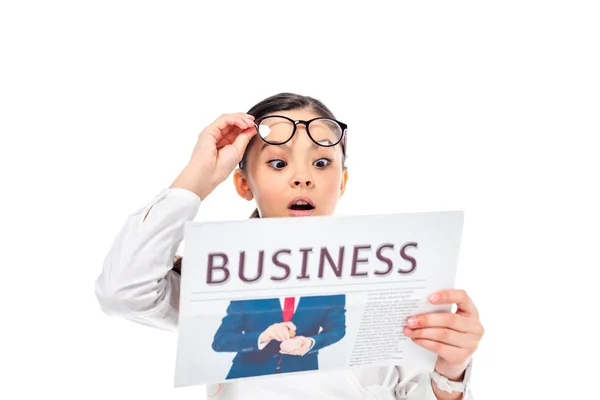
x: 278, y: 130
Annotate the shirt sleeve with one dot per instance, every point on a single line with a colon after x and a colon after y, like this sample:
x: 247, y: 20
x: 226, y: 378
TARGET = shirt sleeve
x: 137, y: 281
x: 419, y: 387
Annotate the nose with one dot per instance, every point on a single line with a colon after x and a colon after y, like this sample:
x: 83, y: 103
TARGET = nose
x: 302, y: 178
x: 302, y: 183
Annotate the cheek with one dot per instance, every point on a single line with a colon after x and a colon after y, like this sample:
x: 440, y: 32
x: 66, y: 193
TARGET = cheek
x: 269, y: 195
x: 331, y: 187
x: 268, y: 191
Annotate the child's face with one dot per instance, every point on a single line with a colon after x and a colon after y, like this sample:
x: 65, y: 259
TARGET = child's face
x: 280, y: 177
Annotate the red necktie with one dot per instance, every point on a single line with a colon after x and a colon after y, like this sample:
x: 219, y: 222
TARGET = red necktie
x: 288, y: 309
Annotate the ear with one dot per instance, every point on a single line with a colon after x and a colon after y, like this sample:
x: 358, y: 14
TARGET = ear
x: 241, y: 185
x: 344, y: 181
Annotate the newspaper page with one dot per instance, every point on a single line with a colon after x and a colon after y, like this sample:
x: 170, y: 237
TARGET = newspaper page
x: 262, y: 297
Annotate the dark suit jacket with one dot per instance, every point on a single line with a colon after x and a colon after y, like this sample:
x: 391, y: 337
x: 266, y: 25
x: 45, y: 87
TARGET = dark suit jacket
x: 322, y: 318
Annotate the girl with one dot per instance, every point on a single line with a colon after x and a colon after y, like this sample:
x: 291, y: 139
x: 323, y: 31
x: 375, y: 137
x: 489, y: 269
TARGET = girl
x: 294, y: 167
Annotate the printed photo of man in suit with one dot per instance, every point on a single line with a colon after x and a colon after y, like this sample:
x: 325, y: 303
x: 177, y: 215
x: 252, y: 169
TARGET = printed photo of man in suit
x: 280, y: 335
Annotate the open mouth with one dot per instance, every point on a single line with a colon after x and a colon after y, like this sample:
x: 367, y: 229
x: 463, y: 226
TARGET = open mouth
x: 301, y: 204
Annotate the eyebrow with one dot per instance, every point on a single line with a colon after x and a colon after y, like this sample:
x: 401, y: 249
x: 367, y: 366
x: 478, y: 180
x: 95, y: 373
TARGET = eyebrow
x: 264, y: 145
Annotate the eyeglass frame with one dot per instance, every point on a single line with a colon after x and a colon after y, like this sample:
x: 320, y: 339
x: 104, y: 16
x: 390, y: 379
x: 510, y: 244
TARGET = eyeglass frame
x: 295, y: 123
x: 343, y: 126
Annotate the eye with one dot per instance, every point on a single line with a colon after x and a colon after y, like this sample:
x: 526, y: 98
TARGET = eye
x: 322, y: 163
x: 277, y: 164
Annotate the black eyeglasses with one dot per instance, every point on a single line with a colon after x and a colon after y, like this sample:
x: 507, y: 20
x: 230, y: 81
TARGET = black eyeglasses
x: 277, y: 129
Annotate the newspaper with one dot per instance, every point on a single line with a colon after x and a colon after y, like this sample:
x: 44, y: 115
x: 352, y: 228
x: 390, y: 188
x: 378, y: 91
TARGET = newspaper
x: 262, y: 297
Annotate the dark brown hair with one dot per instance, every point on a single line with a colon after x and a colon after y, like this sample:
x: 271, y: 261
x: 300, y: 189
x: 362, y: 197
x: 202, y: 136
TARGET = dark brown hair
x: 278, y: 102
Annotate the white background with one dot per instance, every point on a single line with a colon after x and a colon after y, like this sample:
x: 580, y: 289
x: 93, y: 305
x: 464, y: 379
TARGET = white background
x: 492, y: 108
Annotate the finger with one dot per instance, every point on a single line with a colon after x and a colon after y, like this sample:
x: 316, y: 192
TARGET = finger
x: 272, y: 334
x: 455, y: 296
x: 276, y: 333
x: 453, y: 355
x: 297, y: 352
x: 234, y: 133
x: 238, y: 114
x: 240, y: 122
x: 246, y: 115
x: 290, y: 325
x: 291, y: 353
x: 230, y: 136
x: 242, y: 139
x: 443, y: 335
x: 216, y: 129
x: 248, y: 119
x: 283, y: 332
x: 303, y: 350
x: 450, y: 320
x: 233, y: 153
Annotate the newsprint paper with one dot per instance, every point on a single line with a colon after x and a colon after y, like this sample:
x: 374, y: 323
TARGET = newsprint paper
x: 296, y: 295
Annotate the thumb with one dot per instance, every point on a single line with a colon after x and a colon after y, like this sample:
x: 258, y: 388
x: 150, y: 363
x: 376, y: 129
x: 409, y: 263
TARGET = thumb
x: 232, y: 154
x: 241, y: 141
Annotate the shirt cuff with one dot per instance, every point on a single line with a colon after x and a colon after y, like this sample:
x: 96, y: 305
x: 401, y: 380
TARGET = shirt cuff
x: 467, y: 379
x: 312, y: 344
x: 261, y: 345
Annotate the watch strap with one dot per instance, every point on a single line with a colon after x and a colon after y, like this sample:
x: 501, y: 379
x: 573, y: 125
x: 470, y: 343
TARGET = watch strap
x: 445, y: 384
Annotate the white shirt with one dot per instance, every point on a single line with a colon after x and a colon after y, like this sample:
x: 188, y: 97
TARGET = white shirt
x: 137, y: 283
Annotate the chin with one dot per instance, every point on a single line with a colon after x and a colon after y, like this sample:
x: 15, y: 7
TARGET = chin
x: 301, y: 213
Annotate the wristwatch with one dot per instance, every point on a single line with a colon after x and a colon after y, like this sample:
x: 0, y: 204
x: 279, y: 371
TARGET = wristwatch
x: 445, y: 384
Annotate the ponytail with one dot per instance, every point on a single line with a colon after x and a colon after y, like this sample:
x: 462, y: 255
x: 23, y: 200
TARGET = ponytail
x: 255, y: 214
x: 177, y: 264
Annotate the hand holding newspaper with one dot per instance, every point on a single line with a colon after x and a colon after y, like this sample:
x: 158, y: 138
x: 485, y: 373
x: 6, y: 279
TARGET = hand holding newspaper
x: 289, y: 295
